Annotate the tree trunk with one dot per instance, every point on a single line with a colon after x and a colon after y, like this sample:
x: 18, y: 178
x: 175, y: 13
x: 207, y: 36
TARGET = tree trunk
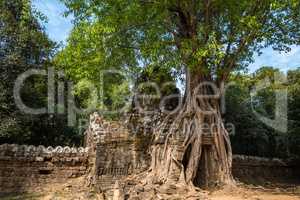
x: 196, y: 149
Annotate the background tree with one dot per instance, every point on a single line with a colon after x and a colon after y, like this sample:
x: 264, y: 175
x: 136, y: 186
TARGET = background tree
x: 254, y: 137
x: 293, y: 112
x: 24, y: 45
x: 168, y: 96
x: 87, y: 63
x: 209, y: 39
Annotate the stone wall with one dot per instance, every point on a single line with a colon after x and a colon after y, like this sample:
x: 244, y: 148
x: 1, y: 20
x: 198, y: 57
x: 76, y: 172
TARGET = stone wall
x: 25, y: 168
x: 114, y: 153
x: 256, y: 170
x: 116, y: 159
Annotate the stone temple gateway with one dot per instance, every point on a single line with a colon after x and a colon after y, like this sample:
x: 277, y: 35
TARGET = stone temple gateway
x: 113, y: 152
x: 111, y: 155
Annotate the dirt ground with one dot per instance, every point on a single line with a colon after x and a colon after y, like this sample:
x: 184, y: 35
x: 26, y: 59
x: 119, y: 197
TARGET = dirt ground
x: 74, y: 190
x: 257, y: 193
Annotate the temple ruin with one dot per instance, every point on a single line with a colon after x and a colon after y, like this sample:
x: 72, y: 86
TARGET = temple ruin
x: 111, y: 154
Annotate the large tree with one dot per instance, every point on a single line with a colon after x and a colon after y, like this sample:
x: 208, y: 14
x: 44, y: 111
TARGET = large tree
x: 208, y: 39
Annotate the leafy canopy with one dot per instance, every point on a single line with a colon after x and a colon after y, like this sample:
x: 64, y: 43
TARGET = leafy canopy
x: 213, y: 36
x: 86, y: 62
x: 254, y: 137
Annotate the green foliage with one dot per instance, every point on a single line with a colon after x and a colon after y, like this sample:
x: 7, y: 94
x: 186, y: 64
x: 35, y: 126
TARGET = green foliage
x: 150, y: 41
x: 160, y: 83
x: 99, y: 80
x: 210, y: 37
x: 215, y: 36
x: 252, y: 137
x: 294, y: 110
x: 86, y: 94
x: 24, y: 45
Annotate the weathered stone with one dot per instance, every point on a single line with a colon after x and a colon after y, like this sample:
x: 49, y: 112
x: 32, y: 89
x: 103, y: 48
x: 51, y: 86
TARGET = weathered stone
x: 39, y: 159
x: 118, y: 192
x: 112, y: 155
x: 26, y: 168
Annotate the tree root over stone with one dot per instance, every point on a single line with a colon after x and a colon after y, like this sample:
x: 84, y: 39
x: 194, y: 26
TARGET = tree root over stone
x: 138, y: 189
x: 181, y: 159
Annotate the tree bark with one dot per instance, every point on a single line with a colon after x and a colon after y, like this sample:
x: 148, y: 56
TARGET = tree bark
x: 196, y: 149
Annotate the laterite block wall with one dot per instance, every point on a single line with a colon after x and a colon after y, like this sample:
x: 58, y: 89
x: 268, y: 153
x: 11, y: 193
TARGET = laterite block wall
x: 25, y: 168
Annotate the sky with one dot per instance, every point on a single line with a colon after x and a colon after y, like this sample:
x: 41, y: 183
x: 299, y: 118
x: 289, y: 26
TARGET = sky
x: 59, y: 27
